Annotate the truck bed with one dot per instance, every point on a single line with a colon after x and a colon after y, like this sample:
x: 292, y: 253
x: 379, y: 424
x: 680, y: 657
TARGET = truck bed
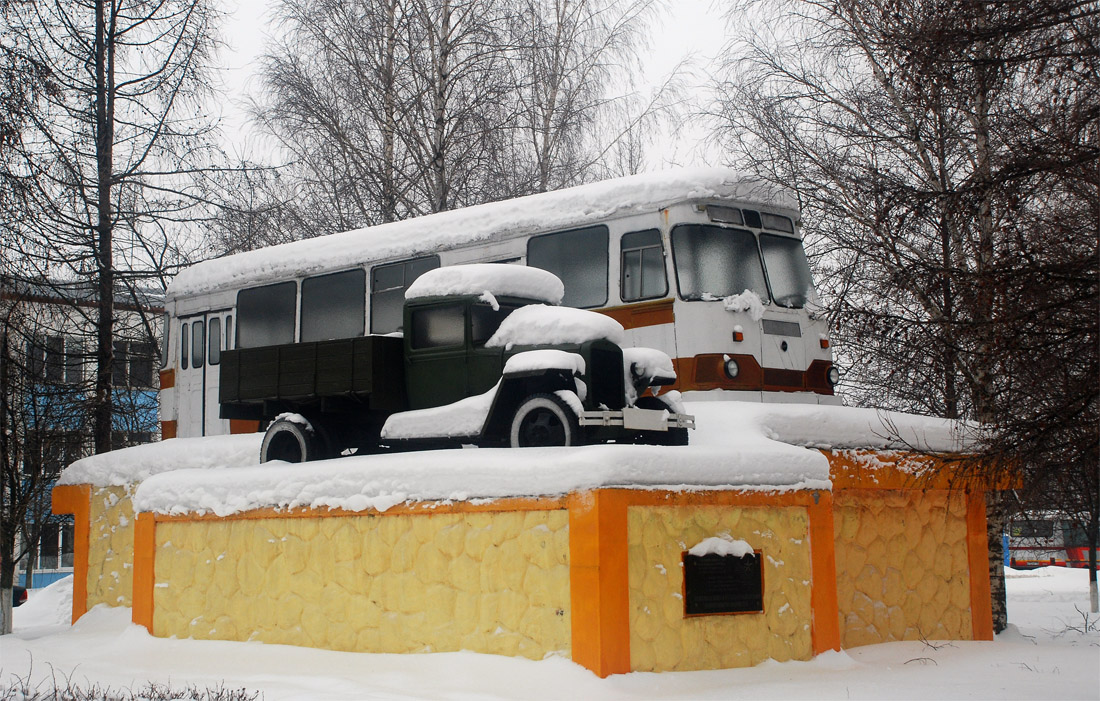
x: 329, y: 374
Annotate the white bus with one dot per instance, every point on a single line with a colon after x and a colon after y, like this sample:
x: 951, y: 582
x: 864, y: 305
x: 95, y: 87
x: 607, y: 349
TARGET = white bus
x: 704, y: 264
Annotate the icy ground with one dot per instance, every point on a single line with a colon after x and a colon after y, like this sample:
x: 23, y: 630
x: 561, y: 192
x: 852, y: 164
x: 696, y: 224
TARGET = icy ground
x: 1045, y: 654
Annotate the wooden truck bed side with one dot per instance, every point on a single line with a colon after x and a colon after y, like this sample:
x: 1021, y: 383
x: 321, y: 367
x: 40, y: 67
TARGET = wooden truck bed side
x: 367, y: 368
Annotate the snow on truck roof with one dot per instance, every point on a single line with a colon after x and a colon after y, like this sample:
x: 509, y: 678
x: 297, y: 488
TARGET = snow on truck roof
x: 490, y: 279
x: 572, y: 207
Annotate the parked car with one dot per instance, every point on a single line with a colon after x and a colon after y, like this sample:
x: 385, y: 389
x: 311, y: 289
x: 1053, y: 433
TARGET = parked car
x: 18, y: 595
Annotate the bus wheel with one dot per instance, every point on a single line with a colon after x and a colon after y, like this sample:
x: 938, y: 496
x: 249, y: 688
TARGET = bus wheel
x: 544, y: 420
x: 291, y: 441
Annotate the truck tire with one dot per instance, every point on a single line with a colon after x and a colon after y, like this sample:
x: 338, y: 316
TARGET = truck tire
x: 544, y: 420
x: 291, y: 441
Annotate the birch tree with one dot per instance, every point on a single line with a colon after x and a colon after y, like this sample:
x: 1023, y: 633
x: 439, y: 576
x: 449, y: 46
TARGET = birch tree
x: 935, y: 146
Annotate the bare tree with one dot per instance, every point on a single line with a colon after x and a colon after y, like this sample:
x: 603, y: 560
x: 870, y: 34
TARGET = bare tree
x: 111, y: 159
x: 921, y: 139
x: 407, y: 107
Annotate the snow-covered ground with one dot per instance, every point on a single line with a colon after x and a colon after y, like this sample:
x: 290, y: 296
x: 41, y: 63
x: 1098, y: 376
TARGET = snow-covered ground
x: 1045, y: 654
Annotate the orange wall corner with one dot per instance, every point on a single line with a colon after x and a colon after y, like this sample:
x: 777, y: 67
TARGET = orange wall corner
x: 977, y: 549
x: 144, y: 557
x: 76, y: 499
x: 598, y: 581
x: 825, y: 628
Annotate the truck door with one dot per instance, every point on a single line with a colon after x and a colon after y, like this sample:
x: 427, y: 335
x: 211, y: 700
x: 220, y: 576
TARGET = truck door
x: 202, y: 338
x: 484, y: 365
x: 435, y: 355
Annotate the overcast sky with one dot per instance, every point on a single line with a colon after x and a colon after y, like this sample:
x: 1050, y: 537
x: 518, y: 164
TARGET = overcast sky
x: 686, y: 28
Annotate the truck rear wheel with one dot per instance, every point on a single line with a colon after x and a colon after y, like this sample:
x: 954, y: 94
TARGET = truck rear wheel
x: 291, y: 441
x: 544, y: 420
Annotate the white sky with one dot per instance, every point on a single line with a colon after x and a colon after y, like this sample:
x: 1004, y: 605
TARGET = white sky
x: 685, y: 29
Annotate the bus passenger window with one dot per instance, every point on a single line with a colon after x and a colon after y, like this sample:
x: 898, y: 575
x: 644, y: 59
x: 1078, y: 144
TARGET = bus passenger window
x: 387, y: 291
x: 165, y: 324
x: 183, y: 346
x: 229, y: 332
x: 579, y: 259
x: 439, y: 327
x: 215, y: 335
x: 198, y: 342
x: 643, y: 266
x: 265, y: 315
x: 334, y: 306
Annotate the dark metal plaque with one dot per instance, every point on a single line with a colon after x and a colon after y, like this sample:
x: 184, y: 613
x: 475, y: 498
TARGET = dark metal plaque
x: 715, y: 584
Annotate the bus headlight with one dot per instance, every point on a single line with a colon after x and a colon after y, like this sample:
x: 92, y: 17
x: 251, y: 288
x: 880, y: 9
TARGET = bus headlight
x: 833, y: 376
x: 731, y: 368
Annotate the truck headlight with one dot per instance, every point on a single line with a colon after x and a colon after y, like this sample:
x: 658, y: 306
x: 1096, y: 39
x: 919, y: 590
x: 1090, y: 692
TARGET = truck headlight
x: 833, y: 376
x: 731, y: 368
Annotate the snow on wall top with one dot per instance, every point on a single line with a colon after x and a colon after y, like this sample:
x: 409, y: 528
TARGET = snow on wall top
x: 736, y: 445
x: 571, y: 207
x: 139, y: 463
x: 382, y: 481
x: 537, y: 324
x: 498, y: 279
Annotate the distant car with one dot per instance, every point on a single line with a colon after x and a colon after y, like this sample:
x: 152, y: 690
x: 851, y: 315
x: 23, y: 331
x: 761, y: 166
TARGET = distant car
x: 18, y: 595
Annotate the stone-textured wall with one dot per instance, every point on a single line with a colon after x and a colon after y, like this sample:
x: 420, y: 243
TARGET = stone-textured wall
x: 111, y: 547
x: 901, y: 560
x: 487, y: 582
x: 662, y: 639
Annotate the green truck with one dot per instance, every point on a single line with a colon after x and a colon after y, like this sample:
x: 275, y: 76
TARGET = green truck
x: 486, y: 358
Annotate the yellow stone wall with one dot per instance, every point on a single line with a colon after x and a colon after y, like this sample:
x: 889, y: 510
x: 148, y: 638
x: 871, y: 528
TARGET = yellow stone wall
x: 662, y: 639
x: 487, y: 582
x: 901, y: 559
x: 111, y: 547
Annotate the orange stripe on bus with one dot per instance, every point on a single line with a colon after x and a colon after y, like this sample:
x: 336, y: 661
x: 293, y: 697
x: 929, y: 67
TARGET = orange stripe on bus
x: 636, y: 316
x: 168, y: 378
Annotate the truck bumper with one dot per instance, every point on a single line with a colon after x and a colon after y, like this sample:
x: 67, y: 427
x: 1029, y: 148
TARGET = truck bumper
x: 638, y: 419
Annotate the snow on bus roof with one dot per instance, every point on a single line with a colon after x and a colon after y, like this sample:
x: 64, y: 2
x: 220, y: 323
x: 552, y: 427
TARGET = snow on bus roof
x: 577, y: 206
x: 496, y: 279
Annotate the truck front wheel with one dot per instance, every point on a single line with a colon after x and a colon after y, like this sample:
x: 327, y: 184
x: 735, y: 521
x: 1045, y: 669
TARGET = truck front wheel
x: 544, y: 420
x: 291, y: 441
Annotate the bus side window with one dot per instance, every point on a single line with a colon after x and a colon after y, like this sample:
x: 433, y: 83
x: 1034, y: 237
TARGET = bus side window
x: 387, y: 291
x: 333, y: 306
x: 183, y: 346
x: 579, y: 259
x: 165, y: 324
x: 643, y: 266
x: 198, y: 342
x: 265, y: 315
x: 229, y: 332
x: 215, y: 334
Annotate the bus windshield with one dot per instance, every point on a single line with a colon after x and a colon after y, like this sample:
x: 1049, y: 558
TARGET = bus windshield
x: 715, y: 262
x: 788, y: 270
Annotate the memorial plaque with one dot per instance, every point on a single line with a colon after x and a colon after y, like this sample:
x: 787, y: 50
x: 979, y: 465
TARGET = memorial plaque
x: 715, y: 584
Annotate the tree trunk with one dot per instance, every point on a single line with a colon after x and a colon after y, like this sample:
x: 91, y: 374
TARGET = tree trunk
x: 995, y: 526
x: 104, y: 122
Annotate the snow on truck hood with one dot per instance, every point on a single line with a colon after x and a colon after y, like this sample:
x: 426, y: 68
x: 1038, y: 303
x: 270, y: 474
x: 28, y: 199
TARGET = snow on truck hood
x: 538, y: 324
x: 577, y: 206
x: 737, y: 445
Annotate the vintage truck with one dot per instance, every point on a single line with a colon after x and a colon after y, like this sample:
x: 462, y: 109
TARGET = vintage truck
x: 486, y: 358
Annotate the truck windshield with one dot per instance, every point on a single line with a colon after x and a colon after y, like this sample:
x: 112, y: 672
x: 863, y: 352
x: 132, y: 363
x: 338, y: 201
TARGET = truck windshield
x: 715, y: 262
x: 788, y: 270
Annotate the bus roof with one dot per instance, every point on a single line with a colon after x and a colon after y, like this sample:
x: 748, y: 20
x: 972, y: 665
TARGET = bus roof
x: 560, y: 209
